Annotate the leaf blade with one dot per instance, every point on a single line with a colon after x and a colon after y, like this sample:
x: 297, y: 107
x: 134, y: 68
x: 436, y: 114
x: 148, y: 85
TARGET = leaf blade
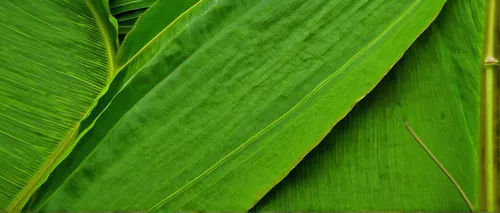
x: 178, y: 113
x: 40, y: 120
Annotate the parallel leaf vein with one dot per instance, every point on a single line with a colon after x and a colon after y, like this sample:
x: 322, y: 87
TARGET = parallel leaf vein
x: 281, y: 118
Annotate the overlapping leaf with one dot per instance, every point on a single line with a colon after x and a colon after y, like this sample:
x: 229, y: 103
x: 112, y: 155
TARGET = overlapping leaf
x: 371, y: 162
x: 216, y: 108
x: 128, y: 11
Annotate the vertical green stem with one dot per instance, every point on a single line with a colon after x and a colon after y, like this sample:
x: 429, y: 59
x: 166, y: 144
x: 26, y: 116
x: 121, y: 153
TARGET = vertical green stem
x: 489, y: 113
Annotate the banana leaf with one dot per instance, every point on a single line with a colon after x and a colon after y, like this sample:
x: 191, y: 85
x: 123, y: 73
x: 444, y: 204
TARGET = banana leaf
x: 128, y: 11
x: 149, y: 28
x: 55, y: 59
x: 122, y: 6
x: 215, y: 108
x: 134, y: 14
x: 371, y: 162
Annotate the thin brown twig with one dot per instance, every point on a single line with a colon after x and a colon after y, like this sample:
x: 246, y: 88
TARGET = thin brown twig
x: 464, y: 196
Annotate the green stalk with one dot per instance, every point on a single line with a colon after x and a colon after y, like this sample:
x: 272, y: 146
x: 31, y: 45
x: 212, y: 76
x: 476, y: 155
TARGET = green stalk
x: 488, y: 196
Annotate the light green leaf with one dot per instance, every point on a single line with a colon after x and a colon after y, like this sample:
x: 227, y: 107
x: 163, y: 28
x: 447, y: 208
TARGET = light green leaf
x: 370, y: 162
x: 217, y: 107
x: 113, y: 28
x: 55, y: 59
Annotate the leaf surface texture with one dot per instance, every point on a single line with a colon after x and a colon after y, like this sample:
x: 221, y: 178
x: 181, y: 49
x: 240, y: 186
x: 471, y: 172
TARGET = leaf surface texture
x: 217, y: 105
x: 55, y: 59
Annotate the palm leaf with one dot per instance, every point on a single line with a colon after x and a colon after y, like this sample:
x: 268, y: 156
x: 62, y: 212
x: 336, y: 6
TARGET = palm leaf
x: 215, y: 108
x: 370, y: 162
x: 55, y: 58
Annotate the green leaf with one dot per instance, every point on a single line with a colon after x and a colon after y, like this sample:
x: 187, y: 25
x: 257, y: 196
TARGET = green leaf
x: 151, y: 27
x: 127, y: 12
x: 370, y: 162
x: 126, y: 26
x: 130, y: 15
x: 56, y: 57
x: 146, y: 31
x: 218, y: 106
x: 121, y: 6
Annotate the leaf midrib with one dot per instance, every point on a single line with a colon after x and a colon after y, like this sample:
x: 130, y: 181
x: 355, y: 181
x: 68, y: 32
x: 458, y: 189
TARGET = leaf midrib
x: 31, y: 186
x: 107, y: 40
x: 286, y: 114
x: 18, y: 203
